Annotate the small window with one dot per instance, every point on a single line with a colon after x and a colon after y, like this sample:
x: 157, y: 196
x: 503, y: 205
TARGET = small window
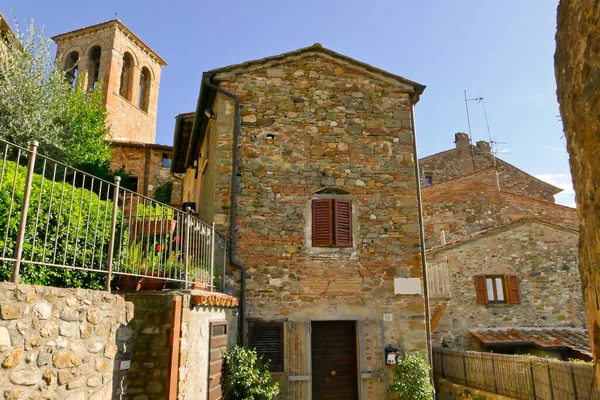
x: 428, y: 177
x: 94, y: 67
x: 497, y: 289
x: 267, y: 339
x: 131, y: 183
x: 144, y: 90
x: 331, y: 223
x: 166, y: 160
x: 126, y: 76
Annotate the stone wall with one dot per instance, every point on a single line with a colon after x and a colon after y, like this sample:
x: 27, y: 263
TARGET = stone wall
x: 466, y: 159
x: 544, y: 258
x: 151, y: 352
x: 59, y: 343
x: 470, y: 203
x: 309, y: 123
x: 577, y: 62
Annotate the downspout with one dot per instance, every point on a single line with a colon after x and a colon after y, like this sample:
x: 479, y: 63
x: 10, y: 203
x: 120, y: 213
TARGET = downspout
x: 422, y: 240
x: 233, y: 208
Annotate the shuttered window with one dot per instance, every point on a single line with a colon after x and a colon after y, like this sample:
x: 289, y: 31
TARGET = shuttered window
x: 497, y: 289
x: 267, y: 339
x: 331, y: 223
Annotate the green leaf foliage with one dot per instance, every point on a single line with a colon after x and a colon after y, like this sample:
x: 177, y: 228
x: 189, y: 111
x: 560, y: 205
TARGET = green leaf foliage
x: 37, y: 102
x: 411, y: 378
x: 66, y: 226
x: 246, y: 376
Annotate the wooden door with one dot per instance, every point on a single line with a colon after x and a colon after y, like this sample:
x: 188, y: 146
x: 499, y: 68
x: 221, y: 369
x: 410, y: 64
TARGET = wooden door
x: 334, y: 360
x: 218, y: 346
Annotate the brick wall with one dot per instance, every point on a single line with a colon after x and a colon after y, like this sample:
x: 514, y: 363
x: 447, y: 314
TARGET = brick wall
x: 466, y: 159
x: 472, y: 202
x: 544, y: 258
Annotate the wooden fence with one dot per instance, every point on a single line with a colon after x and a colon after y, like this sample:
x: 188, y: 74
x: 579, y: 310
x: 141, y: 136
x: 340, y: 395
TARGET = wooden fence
x: 520, y: 377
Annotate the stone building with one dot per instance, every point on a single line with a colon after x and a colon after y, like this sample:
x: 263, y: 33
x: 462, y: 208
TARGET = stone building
x: 6, y: 32
x: 307, y: 159
x: 129, y: 71
x: 576, y: 61
x: 517, y: 276
x: 487, y: 222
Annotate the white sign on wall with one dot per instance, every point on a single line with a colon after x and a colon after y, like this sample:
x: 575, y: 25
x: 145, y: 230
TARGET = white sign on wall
x: 407, y: 286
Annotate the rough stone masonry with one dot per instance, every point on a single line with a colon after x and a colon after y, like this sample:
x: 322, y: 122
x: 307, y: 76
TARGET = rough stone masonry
x: 58, y: 343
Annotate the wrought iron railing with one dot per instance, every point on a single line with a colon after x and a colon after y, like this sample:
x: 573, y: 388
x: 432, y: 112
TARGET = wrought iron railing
x: 53, y: 216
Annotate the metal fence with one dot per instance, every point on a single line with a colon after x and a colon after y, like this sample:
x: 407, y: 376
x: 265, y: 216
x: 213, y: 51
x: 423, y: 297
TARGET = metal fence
x: 53, y: 216
x: 519, y: 377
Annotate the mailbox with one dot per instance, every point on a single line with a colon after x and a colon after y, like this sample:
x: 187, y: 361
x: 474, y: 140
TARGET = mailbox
x: 391, y: 354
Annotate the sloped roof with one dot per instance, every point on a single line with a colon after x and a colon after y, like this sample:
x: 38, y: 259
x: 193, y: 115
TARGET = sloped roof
x: 5, y: 27
x: 318, y: 48
x: 545, y: 338
x: 113, y: 22
x: 499, y: 229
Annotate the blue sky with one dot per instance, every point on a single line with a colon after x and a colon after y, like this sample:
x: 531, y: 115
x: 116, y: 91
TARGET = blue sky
x: 499, y: 50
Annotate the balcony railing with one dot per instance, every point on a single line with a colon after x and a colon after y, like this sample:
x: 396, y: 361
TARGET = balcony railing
x: 54, y: 216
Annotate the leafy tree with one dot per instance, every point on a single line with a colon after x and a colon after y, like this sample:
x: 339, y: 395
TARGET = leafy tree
x: 246, y: 376
x: 411, y: 378
x: 38, y: 102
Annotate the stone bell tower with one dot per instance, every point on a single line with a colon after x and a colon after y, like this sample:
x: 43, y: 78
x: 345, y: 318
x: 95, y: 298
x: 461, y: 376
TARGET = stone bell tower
x: 128, y: 69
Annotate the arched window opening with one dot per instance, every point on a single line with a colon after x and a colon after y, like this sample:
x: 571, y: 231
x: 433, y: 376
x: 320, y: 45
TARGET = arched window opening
x: 144, y: 90
x: 72, y: 68
x: 126, y: 76
x: 94, y: 67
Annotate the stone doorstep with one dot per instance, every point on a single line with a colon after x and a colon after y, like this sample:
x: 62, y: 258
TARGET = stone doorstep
x: 465, y: 392
x: 203, y: 298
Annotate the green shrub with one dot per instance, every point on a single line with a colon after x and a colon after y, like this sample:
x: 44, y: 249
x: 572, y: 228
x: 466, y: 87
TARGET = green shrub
x: 411, y: 378
x: 246, y: 376
x: 76, y: 234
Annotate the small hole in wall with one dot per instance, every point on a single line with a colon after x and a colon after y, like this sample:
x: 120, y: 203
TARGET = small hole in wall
x: 270, y: 138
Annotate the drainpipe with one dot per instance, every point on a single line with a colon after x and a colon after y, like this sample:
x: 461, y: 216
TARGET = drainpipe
x: 422, y: 240
x: 233, y: 208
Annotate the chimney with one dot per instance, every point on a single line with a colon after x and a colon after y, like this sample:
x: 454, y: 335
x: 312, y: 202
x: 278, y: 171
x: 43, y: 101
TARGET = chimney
x: 461, y: 139
x: 485, y: 146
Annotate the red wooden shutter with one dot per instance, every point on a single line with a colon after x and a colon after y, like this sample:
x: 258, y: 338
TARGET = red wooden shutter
x: 343, y: 223
x: 322, y: 222
x: 512, y: 287
x: 480, y: 289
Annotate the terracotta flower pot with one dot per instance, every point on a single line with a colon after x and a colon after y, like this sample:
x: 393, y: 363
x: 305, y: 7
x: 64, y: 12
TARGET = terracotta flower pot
x: 129, y: 283
x: 197, y: 285
x: 155, y: 283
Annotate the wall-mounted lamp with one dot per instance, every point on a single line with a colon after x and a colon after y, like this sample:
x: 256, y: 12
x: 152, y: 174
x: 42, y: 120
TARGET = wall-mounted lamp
x: 209, y: 113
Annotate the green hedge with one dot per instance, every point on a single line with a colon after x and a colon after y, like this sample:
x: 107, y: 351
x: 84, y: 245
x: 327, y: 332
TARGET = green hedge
x: 64, y: 230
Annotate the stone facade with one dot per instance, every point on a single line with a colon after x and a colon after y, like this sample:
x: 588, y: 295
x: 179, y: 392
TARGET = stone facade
x: 126, y: 116
x: 466, y: 158
x: 317, y: 124
x: 59, y: 343
x: 542, y: 255
x: 577, y: 60
x: 145, y: 163
x: 460, y: 206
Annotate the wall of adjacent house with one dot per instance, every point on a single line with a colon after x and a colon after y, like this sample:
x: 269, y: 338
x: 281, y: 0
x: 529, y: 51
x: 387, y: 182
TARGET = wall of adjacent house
x: 472, y: 203
x: 308, y: 124
x: 466, y: 159
x: 59, y: 343
x: 146, y: 165
x: 544, y: 258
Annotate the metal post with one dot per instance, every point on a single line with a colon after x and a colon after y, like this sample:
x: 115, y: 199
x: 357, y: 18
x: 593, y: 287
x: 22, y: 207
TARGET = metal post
x: 574, y: 381
x: 465, y: 368
x: 33, y: 145
x: 532, y: 380
x: 113, y: 230
x: 550, y: 380
x: 494, y: 375
x: 188, y: 223
x: 212, y: 257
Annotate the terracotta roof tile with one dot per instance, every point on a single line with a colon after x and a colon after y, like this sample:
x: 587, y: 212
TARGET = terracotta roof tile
x: 574, y: 338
